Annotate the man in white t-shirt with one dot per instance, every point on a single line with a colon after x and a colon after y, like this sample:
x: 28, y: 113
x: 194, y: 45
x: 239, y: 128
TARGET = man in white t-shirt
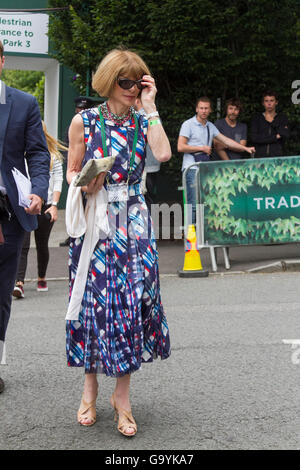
x: 195, y: 142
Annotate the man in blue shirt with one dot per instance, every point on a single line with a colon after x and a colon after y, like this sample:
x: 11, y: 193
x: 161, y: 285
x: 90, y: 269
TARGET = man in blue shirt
x: 195, y: 141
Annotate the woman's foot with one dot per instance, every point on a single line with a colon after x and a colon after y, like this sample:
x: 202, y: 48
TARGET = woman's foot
x: 42, y: 285
x: 87, y: 411
x: 126, y: 423
x: 18, y: 291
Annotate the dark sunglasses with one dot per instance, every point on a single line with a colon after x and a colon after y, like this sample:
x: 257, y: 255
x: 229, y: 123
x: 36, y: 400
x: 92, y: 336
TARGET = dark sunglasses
x: 126, y: 84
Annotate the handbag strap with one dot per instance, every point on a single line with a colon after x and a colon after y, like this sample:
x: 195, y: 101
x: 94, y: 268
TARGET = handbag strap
x: 1, y: 236
x: 208, y: 134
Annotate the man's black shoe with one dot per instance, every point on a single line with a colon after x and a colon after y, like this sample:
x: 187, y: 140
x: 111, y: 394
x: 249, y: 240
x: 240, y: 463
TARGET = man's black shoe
x: 65, y: 243
x: 1, y: 385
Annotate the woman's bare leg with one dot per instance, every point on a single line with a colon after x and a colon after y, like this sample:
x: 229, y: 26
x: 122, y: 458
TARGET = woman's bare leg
x: 90, y: 391
x: 121, y: 396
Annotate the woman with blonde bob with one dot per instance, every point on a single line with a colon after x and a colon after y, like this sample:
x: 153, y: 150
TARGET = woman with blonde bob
x: 46, y: 220
x: 121, y: 323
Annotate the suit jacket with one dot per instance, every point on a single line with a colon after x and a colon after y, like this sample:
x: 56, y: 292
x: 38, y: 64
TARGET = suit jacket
x: 22, y: 137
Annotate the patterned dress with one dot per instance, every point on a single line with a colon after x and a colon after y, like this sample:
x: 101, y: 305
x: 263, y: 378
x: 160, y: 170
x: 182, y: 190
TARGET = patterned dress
x: 121, y: 322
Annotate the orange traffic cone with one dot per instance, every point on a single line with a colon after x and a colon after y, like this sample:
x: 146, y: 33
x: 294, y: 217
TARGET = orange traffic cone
x: 192, y: 262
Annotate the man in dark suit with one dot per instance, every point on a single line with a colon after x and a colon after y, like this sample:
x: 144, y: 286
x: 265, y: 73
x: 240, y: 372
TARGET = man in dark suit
x: 21, y: 138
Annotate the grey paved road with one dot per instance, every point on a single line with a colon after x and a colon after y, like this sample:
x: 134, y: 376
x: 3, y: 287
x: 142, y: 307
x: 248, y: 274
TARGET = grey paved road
x: 229, y: 384
x: 171, y: 255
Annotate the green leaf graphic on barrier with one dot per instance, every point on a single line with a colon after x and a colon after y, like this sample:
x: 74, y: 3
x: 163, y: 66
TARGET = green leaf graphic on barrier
x: 251, y: 201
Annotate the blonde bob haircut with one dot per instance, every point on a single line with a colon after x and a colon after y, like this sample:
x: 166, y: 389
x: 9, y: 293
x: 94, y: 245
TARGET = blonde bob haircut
x: 117, y: 63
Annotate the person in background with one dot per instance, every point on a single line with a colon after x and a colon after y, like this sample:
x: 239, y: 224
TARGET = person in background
x: 22, y: 142
x: 45, y: 221
x: 195, y: 142
x: 81, y: 103
x: 270, y: 129
x: 232, y: 128
x: 152, y: 167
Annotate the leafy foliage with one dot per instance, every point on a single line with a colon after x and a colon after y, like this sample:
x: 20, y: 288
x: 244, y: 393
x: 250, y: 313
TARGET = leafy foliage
x: 214, y: 47
x: 226, y: 180
x: 29, y: 81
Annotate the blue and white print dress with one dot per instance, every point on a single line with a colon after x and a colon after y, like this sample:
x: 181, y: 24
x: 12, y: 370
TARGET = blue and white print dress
x: 121, y: 322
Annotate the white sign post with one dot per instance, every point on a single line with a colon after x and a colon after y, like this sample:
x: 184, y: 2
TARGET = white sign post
x: 24, y: 33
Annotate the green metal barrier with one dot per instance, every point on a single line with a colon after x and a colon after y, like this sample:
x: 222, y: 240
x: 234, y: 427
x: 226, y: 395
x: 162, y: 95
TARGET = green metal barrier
x: 255, y: 201
x: 246, y: 202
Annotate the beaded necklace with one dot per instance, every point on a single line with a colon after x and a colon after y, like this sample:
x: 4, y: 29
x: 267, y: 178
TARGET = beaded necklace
x: 118, y: 120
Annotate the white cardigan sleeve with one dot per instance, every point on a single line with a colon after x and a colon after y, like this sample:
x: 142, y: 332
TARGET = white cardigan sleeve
x: 91, y: 221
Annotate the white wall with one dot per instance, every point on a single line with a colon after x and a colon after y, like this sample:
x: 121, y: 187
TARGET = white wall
x: 51, y: 69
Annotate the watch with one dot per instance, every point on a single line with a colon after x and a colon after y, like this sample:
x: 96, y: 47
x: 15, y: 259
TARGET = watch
x: 152, y: 115
x: 54, y: 203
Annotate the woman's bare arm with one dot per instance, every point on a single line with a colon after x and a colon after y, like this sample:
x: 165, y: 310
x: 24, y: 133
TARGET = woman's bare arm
x: 76, y: 153
x: 76, y: 147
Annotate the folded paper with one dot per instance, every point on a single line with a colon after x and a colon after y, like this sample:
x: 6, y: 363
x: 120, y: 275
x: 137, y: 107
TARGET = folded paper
x: 23, y: 186
x: 92, y: 169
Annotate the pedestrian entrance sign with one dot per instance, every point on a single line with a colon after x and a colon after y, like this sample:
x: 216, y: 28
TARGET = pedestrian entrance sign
x: 23, y: 33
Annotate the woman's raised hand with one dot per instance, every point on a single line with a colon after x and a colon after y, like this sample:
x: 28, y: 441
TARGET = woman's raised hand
x: 148, y: 94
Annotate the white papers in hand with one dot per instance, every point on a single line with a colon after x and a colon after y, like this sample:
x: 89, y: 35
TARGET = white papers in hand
x: 24, y: 187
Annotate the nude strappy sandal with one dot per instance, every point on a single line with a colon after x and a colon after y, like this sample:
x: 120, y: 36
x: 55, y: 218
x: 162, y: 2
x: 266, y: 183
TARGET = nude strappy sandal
x: 86, y: 411
x: 126, y: 421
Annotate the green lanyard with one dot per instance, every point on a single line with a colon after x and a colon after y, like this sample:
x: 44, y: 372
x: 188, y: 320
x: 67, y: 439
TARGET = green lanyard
x: 135, y: 139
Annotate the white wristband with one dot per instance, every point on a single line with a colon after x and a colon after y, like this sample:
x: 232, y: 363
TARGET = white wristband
x: 152, y: 115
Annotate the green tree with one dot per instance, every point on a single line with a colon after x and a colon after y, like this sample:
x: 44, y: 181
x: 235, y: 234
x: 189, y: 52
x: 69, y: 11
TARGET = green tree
x: 213, y: 47
x: 29, y: 81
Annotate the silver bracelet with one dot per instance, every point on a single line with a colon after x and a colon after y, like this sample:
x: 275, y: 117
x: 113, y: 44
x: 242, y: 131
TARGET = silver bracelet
x: 152, y: 115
